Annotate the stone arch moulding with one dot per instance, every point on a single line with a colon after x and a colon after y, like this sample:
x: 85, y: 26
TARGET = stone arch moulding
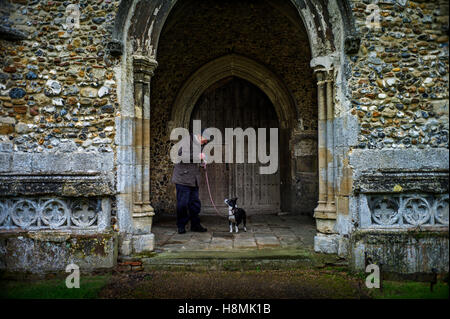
x: 239, y: 66
x: 139, y: 23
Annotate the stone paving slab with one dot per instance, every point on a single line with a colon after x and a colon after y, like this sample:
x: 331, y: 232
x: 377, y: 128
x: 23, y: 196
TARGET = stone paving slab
x: 243, y: 235
x: 222, y: 235
x: 198, y: 246
x: 267, y: 241
x: 219, y: 243
x: 265, y: 231
x: 245, y: 243
x: 261, y: 230
x: 175, y: 247
x: 289, y: 238
x: 207, y: 235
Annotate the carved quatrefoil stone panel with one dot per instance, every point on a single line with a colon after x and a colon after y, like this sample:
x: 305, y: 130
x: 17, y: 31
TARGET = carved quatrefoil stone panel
x: 408, y: 210
x: 53, y: 213
x: 416, y: 211
x: 442, y: 209
x: 24, y: 213
x: 385, y: 211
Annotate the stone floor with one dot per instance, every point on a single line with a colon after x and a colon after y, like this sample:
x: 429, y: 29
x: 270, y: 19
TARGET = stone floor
x: 263, y: 231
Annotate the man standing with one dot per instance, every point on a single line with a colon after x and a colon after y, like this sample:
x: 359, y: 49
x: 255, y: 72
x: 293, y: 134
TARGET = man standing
x: 186, y: 177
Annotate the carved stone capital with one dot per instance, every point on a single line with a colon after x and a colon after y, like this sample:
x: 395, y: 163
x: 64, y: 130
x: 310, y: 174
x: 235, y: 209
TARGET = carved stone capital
x: 115, y: 47
x: 11, y: 34
x: 144, y: 67
x: 352, y: 44
x: 320, y: 76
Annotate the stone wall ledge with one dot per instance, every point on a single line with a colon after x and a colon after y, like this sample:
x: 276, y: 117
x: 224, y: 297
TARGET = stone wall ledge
x: 85, y: 185
x: 435, y: 182
x: 401, y: 160
x: 56, y: 235
x: 55, y: 162
x: 398, y: 233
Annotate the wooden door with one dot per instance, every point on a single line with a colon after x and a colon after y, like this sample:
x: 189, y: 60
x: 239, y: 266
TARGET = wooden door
x: 233, y: 103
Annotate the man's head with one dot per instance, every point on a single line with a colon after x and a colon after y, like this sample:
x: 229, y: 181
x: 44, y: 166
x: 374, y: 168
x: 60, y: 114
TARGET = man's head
x: 201, y: 139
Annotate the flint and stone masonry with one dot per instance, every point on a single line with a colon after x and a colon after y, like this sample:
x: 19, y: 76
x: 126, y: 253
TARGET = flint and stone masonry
x: 89, y: 91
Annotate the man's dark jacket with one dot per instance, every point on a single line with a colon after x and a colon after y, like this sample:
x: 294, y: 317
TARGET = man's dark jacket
x: 186, y: 173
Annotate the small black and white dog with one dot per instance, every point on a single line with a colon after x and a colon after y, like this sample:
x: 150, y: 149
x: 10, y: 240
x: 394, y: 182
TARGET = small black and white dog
x: 235, y: 215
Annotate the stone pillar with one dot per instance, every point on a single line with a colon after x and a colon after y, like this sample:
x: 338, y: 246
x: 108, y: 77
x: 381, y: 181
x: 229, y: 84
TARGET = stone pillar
x: 322, y: 154
x: 331, y: 206
x: 325, y: 212
x: 143, y: 239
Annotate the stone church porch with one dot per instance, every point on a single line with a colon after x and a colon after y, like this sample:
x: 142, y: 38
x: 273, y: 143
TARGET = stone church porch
x: 263, y: 232
x: 272, y: 242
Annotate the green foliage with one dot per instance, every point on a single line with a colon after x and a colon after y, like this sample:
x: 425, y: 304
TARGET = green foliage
x: 90, y: 286
x: 411, y: 290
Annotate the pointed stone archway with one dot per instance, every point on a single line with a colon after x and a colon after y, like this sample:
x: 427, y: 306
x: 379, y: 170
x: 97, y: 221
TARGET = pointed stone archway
x: 239, y: 66
x: 136, y: 37
x: 269, y: 83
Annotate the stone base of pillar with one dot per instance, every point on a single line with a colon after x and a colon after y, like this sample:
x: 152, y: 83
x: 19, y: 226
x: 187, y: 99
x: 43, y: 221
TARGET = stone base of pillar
x: 321, y: 207
x: 331, y: 244
x: 130, y: 244
x: 328, y: 244
x: 143, y: 243
x: 330, y: 208
x: 142, y: 218
x: 325, y: 226
x: 125, y: 245
x: 325, y: 215
x: 325, y: 221
x: 141, y: 240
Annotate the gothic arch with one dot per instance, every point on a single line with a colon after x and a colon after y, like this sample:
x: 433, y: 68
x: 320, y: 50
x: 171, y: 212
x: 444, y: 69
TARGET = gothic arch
x: 233, y: 65
x: 135, y: 37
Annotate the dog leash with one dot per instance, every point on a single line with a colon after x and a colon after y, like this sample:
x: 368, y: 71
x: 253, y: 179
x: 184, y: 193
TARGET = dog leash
x: 210, y: 196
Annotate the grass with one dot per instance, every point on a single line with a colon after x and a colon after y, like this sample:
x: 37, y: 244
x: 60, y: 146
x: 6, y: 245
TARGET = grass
x: 90, y: 287
x: 259, y: 283
x: 249, y: 284
x: 411, y: 290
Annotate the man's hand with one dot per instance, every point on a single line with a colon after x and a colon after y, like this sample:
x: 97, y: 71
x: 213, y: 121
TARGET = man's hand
x: 203, y: 158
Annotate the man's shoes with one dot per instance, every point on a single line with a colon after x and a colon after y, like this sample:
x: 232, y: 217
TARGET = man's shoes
x: 198, y: 228
x: 181, y: 230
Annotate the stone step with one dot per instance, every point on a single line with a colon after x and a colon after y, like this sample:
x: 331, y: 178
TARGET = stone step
x: 266, y: 259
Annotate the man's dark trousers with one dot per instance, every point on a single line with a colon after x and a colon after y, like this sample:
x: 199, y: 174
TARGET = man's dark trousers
x: 188, y: 206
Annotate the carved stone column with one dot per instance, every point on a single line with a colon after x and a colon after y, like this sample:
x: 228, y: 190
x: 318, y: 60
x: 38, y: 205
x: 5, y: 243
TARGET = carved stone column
x: 322, y: 140
x: 142, y: 210
x: 325, y: 212
x: 331, y: 205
